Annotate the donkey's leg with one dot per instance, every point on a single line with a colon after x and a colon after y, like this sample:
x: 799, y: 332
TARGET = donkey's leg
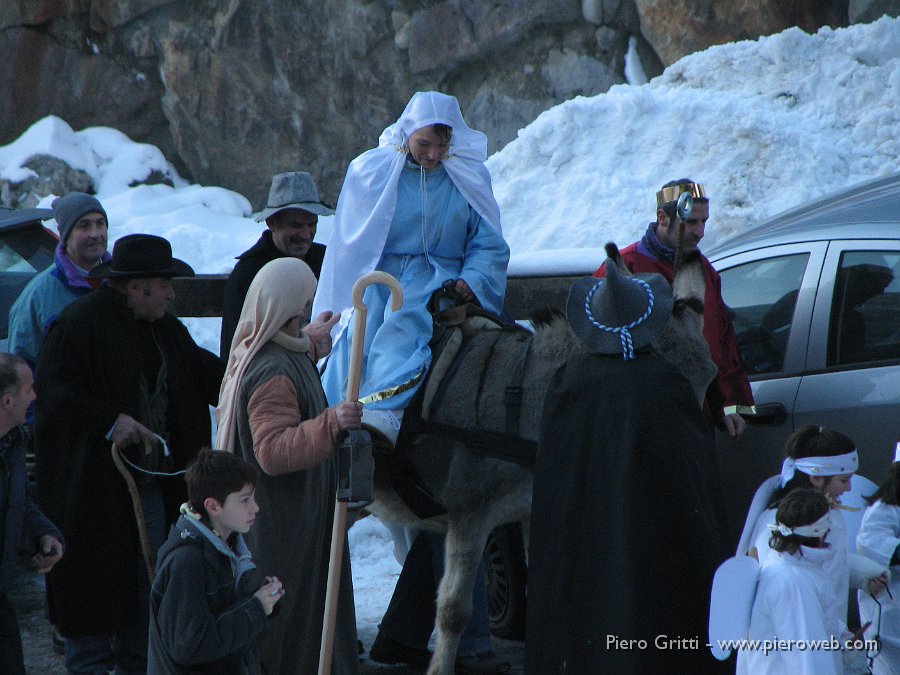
x: 465, y: 543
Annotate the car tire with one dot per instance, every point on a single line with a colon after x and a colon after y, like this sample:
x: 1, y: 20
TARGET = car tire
x: 507, y: 573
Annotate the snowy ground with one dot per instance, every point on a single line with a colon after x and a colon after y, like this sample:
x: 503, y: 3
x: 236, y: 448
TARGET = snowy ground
x: 766, y: 125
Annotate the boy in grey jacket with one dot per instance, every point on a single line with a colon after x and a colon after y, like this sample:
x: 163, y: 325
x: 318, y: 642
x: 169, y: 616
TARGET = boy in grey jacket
x: 203, y: 616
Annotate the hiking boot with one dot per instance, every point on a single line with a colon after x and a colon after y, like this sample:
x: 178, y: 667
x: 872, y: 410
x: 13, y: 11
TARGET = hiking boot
x: 387, y: 650
x: 485, y: 663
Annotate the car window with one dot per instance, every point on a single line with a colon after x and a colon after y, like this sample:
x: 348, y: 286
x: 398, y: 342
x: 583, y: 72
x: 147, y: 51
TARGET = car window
x: 11, y: 261
x: 865, y: 310
x: 24, y: 251
x: 762, y: 295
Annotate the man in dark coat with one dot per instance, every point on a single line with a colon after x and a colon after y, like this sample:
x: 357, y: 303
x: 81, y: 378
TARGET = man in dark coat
x: 22, y: 525
x: 116, y: 367
x: 292, y: 215
x: 625, y: 526
x: 729, y: 396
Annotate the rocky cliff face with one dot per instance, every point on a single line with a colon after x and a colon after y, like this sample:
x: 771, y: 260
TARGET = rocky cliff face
x: 233, y: 91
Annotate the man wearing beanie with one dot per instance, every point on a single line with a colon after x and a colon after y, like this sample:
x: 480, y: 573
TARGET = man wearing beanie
x: 82, y: 226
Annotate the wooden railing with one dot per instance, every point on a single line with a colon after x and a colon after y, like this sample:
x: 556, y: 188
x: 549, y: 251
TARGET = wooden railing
x: 202, y: 295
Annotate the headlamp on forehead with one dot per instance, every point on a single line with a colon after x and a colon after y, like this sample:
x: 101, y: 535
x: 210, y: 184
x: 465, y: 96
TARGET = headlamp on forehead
x: 673, y: 192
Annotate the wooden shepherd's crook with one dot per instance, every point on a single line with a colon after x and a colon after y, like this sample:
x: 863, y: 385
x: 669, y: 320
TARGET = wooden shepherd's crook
x: 340, y: 508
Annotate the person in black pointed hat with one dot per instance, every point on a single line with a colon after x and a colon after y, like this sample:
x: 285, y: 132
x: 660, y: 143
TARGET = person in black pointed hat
x: 116, y: 367
x: 624, y: 533
x: 291, y: 215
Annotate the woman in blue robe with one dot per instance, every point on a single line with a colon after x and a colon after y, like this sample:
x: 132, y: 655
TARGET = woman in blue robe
x: 419, y: 207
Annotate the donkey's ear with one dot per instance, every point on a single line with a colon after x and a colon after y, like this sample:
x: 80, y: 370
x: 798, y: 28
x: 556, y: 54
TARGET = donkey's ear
x: 612, y: 252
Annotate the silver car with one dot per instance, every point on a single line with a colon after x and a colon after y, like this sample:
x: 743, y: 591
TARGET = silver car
x: 815, y: 296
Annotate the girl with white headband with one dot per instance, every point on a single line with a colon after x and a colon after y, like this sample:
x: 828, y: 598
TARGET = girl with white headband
x: 823, y: 460
x: 793, y: 593
x: 879, y: 539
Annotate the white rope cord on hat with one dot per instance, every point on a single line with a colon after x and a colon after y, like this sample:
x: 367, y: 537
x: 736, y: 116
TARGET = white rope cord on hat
x: 623, y: 331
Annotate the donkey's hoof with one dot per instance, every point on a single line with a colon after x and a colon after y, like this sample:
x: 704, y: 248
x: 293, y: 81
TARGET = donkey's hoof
x: 485, y: 663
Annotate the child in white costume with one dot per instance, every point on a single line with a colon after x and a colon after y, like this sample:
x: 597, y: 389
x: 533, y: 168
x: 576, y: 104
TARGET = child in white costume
x: 878, y: 539
x: 825, y: 461
x: 793, y: 594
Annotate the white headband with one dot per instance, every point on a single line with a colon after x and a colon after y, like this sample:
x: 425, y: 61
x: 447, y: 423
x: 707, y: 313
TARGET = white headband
x: 897, y: 452
x: 813, y: 530
x: 820, y: 466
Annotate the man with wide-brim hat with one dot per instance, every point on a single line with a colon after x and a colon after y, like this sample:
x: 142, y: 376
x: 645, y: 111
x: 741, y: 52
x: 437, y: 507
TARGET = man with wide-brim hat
x: 625, y: 531
x: 291, y: 215
x: 116, y: 367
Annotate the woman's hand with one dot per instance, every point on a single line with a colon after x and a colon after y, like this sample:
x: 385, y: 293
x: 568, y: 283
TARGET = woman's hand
x: 465, y: 293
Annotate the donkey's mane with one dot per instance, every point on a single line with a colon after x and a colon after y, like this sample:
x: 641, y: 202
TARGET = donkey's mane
x: 553, y: 339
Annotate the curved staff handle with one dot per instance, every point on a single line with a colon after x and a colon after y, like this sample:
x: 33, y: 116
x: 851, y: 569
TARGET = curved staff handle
x: 359, y: 323
x: 326, y: 648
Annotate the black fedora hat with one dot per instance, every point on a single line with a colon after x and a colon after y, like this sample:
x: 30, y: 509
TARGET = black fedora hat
x: 141, y: 256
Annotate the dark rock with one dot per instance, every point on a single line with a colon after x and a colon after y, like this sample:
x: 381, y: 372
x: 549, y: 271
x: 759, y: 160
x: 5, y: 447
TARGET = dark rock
x: 676, y: 28
x: 44, y: 77
x: 54, y: 177
x: 234, y: 91
x: 468, y: 30
x: 864, y: 11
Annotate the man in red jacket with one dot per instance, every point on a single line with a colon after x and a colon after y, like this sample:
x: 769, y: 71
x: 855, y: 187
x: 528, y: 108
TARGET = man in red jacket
x: 729, y: 394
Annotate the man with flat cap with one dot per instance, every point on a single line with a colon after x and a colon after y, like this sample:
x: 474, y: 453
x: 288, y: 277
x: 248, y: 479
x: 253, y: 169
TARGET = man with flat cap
x: 291, y: 216
x: 729, y: 396
x: 117, y: 368
x: 82, y: 224
x: 625, y: 526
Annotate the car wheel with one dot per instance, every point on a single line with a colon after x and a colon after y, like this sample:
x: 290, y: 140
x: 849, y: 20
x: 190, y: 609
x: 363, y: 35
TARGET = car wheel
x: 506, y: 572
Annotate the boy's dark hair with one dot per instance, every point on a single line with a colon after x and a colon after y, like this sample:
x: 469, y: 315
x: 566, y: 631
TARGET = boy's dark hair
x: 800, y: 507
x: 811, y: 441
x: 216, y: 474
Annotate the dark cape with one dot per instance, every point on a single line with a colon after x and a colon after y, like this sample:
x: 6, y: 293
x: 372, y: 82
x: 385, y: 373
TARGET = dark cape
x: 626, y: 526
x: 89, y: 371
x: 250, y: 262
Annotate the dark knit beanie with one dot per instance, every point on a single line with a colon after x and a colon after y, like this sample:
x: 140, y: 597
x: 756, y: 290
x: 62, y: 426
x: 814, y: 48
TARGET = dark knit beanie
x: 67, y: 210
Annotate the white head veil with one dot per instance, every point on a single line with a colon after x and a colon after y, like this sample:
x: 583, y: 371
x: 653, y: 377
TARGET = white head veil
x: 366, y: 205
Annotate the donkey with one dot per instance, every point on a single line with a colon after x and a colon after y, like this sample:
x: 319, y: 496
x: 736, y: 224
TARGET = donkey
x: 480, y: 492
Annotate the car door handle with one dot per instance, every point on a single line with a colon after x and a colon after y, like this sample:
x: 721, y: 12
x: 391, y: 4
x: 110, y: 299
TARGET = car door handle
x: 768, y: 415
